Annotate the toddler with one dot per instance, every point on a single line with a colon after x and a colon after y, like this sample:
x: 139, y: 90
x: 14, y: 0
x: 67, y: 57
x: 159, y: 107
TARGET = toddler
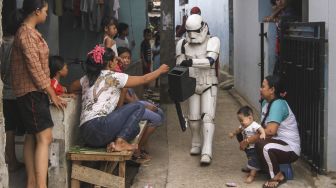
x: 58, y: 69
x: 109, y: 26
x: 249, y: 128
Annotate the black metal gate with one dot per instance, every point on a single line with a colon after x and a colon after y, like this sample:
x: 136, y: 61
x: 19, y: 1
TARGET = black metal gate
x: 302, y: 58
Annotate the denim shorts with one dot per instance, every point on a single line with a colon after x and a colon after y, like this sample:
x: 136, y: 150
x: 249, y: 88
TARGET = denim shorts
x: 252, y: 159
x: 155, y: 119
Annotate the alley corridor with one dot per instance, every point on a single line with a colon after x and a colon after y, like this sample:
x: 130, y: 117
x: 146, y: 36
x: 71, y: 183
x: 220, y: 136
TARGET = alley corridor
x: 173, y: 167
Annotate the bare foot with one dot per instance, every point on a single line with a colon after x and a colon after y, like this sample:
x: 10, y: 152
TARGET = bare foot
x: 110, y: 147
x: 249, y: 179
x: 123, y: 145
x: 251, y: 176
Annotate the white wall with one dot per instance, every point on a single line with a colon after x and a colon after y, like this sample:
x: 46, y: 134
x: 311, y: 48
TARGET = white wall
x: 324, y: 10
x: 247, y: 50
x: 217, y: 18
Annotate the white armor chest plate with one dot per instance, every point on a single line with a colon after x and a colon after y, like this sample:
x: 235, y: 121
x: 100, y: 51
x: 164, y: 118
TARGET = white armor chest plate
x: 205, y: 77
x: 196, y: 51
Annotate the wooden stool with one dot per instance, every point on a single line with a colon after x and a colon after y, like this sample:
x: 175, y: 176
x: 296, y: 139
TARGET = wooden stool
x: 103, y: 177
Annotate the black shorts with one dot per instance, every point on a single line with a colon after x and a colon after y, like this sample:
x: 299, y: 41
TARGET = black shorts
x: 13, y: 120
x: 35, y: 112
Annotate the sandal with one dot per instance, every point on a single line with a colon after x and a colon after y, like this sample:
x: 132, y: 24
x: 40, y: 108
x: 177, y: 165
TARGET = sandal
x: 249, y: 179
x: 144, y: 151
x: 145, y: 154
x: 140, y: 159
x: 278, y: 183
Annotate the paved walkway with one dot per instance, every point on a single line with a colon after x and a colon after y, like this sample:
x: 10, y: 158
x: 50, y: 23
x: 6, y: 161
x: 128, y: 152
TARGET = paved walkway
x: 173, y: 167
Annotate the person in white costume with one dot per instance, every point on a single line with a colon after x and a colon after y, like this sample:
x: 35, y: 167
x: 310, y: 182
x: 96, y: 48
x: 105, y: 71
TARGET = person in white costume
x: 199, y: 51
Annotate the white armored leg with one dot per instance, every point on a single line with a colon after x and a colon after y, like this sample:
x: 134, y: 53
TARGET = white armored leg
x: 208, y: 110
x: 195, y: 127
x: 195, y: 123
x: 208, y: 131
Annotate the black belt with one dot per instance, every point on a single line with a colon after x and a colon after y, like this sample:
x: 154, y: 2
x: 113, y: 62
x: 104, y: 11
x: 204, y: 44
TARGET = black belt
x: 209, y: 88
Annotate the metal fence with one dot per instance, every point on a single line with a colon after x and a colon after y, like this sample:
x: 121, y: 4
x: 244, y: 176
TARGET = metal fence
x: 302, y: 58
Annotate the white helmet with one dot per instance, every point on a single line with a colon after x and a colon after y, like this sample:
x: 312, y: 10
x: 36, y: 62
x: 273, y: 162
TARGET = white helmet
x: 197, y: 30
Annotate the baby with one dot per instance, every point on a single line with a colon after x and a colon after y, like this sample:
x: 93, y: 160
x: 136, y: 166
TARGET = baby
x: 247, y: 129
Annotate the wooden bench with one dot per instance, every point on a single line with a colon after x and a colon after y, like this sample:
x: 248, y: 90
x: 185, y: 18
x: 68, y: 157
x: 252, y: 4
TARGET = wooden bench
x: 102, y: 177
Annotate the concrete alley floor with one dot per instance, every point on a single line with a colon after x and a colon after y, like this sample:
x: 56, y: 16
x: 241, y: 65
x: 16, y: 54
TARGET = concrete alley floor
x: 173, y: 167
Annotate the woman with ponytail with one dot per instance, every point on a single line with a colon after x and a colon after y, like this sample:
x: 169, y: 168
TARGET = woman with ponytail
x: 283, y: 143
x: 31, y: 86
x: 102, y: 124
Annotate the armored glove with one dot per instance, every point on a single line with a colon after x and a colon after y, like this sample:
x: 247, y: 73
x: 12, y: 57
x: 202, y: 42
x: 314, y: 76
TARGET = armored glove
x: 187, y: 63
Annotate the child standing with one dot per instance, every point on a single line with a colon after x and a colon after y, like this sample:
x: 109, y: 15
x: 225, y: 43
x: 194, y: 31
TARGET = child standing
x: 146, y: 54
x: 122, y: 40
x: 156, y: 55
x: 58, y: 69
x: 146, y: 51
x: 249, y: 128
x: 109, y: 26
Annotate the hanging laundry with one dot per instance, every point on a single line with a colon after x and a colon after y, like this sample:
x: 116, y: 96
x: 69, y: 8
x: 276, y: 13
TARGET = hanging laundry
x: 116, y: 6
x: 58, y: 7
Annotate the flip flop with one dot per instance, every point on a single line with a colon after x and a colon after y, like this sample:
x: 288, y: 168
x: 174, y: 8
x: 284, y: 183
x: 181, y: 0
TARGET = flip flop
x: 145, y: 154
x: 280, y: 182
x: 139, y: 159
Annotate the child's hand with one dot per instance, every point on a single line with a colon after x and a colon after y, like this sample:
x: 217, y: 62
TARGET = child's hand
x: 69, y: 95
x: 152, y: 108
x: 231, y: 135
x: 263, y: 136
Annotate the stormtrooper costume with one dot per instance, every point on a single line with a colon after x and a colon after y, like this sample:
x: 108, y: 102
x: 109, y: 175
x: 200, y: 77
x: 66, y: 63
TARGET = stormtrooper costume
x: 199, y: 52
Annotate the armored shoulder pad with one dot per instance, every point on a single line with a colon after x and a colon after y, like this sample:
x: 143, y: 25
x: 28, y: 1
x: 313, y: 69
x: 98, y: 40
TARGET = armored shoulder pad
x: 213, y: 45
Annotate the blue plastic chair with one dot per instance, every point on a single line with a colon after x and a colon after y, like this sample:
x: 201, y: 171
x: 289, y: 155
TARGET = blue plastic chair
x: 287, y: 170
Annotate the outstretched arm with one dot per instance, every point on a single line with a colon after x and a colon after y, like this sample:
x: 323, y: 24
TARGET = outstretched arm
x: 237, y: 131
x: 140, y: 80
